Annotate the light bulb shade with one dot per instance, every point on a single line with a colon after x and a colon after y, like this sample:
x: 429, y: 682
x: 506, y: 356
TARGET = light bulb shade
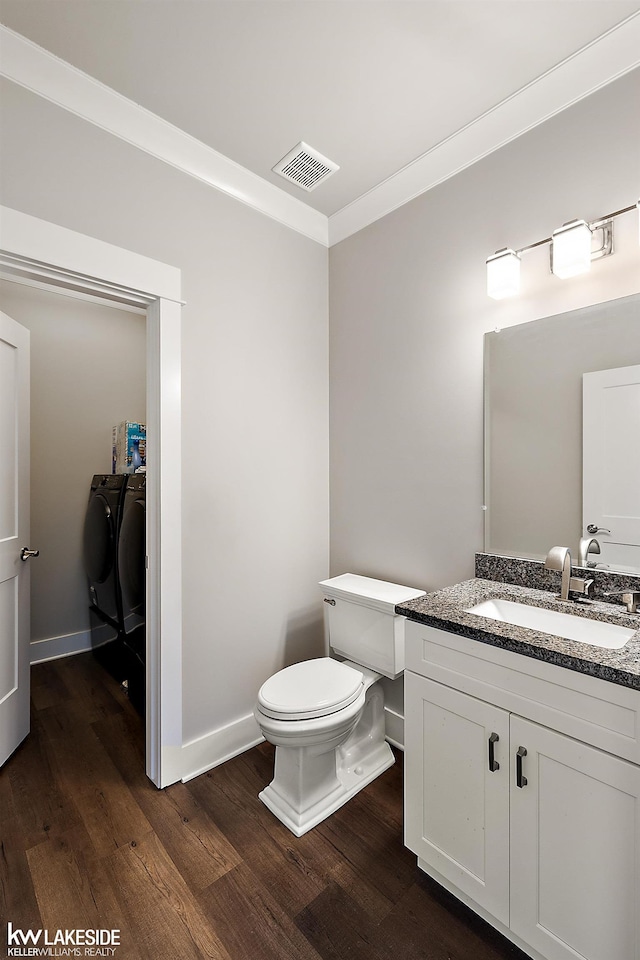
x: 503, y: 274
x: 571, y: 249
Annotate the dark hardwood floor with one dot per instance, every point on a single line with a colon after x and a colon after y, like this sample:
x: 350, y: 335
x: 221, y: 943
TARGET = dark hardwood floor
x: 202, y: 869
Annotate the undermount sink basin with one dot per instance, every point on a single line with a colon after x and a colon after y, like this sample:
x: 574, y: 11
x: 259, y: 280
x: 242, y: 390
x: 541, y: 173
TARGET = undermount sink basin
x: 594, y: 632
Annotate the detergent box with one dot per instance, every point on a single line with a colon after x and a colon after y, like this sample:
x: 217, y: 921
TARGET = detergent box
x: 128, y: 447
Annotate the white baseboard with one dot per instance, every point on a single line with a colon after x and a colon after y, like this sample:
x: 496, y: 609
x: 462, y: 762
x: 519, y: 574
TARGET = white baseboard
x: 394, y: 728
x: 214, y: 748
x: 220, y: 745
x: 52, y: 648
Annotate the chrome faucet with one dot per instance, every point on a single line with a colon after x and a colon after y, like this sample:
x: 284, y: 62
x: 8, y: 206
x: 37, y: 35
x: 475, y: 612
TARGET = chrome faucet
x: 587, y: 546
x: 559, y: 558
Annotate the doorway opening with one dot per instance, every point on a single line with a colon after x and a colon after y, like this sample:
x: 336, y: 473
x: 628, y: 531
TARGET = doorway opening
x: 52, y: 257
x: 88, y: 372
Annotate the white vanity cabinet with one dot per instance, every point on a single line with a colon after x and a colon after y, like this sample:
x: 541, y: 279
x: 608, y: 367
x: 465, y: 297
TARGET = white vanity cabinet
x: 544, y: 844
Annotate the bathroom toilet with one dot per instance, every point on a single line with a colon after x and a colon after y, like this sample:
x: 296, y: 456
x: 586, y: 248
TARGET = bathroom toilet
x: 326, y: 716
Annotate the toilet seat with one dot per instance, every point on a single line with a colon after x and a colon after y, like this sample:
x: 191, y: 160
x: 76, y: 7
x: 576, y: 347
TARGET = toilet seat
x: 309, y: 690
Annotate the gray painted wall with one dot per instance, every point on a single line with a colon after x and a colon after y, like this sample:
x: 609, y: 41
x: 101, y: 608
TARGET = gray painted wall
x: 87, y: 374
x: 409, y: 309
x: 255, y: 392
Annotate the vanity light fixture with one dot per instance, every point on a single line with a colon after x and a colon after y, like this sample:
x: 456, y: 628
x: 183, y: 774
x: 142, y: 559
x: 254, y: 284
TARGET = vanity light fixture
x: 503, y: 274
x: 572, y: 248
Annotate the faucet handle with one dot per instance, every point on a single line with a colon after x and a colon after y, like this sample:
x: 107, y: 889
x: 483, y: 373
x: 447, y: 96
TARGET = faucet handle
x: 583, y: 587
x: 631, y: 598
x: 589, y: 588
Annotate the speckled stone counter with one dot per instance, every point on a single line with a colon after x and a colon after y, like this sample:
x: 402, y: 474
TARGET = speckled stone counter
x: 446, y: 610
x: 532, y: 573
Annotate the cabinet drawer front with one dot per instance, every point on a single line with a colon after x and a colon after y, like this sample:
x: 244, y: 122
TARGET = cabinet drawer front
x: 575, y: 855
x: 604, y: 714
x: 456, y: 808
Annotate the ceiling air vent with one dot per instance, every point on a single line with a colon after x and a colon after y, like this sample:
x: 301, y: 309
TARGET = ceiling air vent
x: 305, y: 167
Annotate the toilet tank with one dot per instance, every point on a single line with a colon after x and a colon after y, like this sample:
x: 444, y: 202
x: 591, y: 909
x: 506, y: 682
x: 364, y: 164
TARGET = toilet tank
x: 362, y: 624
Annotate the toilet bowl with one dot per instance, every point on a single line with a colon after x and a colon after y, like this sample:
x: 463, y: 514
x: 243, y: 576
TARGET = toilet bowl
x: 326, y: 716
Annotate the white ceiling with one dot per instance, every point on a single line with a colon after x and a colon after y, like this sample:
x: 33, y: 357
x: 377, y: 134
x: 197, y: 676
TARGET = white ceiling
x: 371, y: 84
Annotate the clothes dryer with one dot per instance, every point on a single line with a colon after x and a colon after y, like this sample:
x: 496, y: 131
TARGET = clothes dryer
x: 132, y: 552
x: 100, y: 551
x: 132, y: 573
x: 101, y: 528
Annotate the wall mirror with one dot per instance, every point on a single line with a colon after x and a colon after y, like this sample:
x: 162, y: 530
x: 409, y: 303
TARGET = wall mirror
x: 534, y: 451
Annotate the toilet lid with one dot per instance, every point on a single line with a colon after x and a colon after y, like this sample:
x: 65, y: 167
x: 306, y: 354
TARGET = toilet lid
x: 313, y: 688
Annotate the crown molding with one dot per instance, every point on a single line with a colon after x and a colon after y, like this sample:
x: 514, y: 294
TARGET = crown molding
x: 606, y: 59
x: 34, y: 68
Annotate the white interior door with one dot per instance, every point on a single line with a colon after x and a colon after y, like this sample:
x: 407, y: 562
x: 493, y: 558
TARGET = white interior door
x: 611, y: 463
x: 14, y: 535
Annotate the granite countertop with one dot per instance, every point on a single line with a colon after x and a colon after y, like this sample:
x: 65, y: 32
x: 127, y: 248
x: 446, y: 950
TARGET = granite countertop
x: 445, y: 609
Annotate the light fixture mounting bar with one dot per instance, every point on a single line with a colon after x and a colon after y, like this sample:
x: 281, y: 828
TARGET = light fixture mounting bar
x: 593, y: 225
x: 610, y: 216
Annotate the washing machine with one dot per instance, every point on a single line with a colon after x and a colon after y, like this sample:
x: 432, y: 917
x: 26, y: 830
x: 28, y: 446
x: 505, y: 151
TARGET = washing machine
x: 132, y: 573
x: 100, y: 551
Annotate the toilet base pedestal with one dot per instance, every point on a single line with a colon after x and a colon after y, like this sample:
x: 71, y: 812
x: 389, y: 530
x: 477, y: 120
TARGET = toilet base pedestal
x: 303, y: 788
x: 349, y: 782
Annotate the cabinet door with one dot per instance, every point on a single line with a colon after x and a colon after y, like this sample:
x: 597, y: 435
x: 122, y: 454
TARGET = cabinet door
x: 456, y: 808
x: 575, y: 848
